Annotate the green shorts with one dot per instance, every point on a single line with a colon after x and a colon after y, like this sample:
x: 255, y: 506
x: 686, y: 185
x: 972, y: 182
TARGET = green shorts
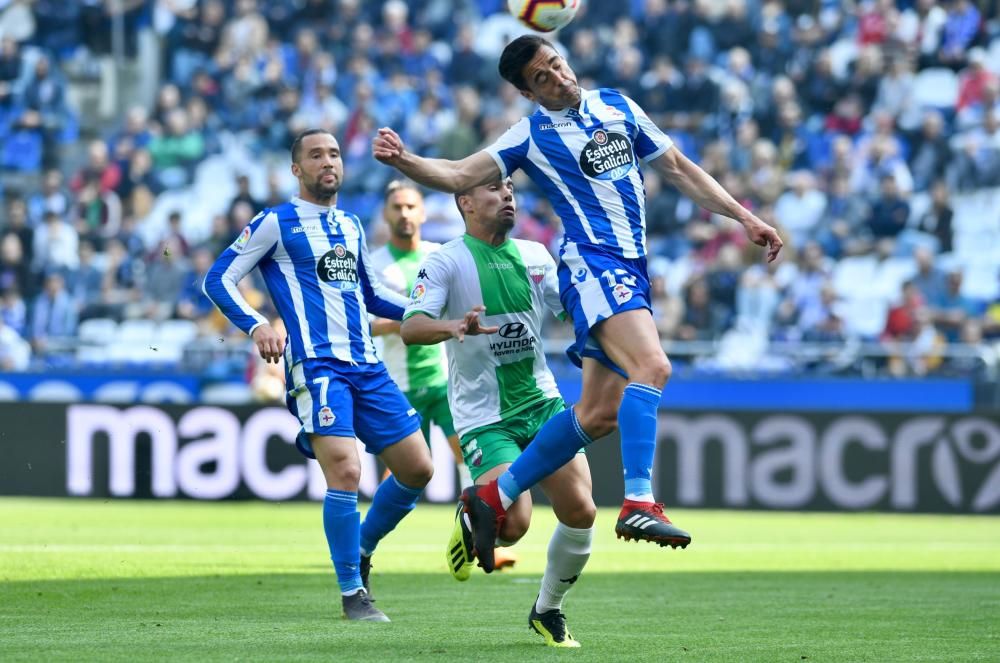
x: 432, y: 404
x: 486, y: 447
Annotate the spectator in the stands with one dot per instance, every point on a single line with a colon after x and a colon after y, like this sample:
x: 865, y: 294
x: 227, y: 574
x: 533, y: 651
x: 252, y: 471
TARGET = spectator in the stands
x: 52, y: 197
x: 937, y: 220
x: 800, y: 209
x: 100, y: 167
x: 14, y: 310
x: 842, y: 229
x: 56, y: 246
x: 977, y: 161
x: 15, y: 270
x: 54, y: 315
x: 930, y: 153
x: 98, y: 214
x: 960, y: 28
x: 85, y: 288
x: 703, y: 320
x: 951, y: 309
x: 15, y: 352
x: 889, y: 212
x: 192, y: 304
x: 177, y: 149
x: 166, y: 275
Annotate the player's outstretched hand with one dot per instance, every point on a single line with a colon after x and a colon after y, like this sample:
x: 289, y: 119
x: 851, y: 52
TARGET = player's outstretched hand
x: 387, y: 146
x: 762, y: 234
x: 471, y: 325
x: 269, y: 343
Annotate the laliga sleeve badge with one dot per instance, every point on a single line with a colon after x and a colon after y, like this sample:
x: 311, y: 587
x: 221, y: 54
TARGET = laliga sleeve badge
x: 241, y: 241
x: 417, y: 295
x: 621, y: 293
x: 326, y: 416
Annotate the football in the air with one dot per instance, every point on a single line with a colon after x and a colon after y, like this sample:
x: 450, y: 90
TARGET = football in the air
x: 544, y: 15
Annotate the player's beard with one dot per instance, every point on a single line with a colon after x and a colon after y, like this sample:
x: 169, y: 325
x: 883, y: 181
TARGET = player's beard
x: 323, y: 192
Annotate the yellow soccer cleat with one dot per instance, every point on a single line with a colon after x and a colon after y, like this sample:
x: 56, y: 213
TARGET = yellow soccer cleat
x: 459, y: 553
x: 551, y: 625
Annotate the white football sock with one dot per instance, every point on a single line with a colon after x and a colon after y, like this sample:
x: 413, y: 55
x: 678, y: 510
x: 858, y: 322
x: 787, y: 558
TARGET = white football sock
x: 569, y: 550
x: 464, y: 476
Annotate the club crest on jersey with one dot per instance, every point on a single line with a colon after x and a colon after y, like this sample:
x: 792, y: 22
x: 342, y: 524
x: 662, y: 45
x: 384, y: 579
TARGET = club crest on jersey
x: 241, y: 241
x: 536, y: 274
x: 621, y: 293
x: 326, y: 416
x: 339, y: 268
x: 418, y: 292
x: 607, y: 156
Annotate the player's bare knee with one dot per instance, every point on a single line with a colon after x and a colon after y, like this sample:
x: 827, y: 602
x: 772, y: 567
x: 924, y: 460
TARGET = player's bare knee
x: 598, y: 420
x: 654, y: 370
x: 514, y: 528
x: 344, y: 475
x: 580, y: 515
x: 417, y: 475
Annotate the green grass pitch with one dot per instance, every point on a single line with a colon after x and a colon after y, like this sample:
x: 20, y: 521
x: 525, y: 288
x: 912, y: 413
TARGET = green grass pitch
x: 113, y: 580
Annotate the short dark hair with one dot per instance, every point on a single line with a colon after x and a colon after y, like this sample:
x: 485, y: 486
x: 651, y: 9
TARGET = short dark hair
x: 297, y: 143
x: 516, y: 55
x: 398, y: 185
x: 459, y: 194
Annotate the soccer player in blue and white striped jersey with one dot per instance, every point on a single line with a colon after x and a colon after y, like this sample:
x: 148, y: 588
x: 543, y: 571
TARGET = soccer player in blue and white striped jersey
x: 315, y: 263
x: 582, y: 148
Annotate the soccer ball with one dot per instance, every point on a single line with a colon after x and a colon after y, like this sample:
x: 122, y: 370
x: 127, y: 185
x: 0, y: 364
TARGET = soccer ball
x: 544, y: 15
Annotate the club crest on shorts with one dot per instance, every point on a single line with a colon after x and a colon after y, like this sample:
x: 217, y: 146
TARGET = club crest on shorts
x: 326, y: 416
x: 621, y: 293
x: 536, y: 273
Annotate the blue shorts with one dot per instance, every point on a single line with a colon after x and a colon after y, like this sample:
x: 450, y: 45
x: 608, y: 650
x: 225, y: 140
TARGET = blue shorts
x: 332, y: 397
x: 595, y: 285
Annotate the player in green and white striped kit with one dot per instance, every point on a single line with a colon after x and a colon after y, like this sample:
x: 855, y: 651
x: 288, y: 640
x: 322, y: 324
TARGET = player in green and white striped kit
x: 485, y: 296
x: 420, y: 371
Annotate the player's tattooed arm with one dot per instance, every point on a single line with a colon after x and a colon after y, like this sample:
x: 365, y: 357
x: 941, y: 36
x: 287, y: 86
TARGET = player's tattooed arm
x: 422, y: 329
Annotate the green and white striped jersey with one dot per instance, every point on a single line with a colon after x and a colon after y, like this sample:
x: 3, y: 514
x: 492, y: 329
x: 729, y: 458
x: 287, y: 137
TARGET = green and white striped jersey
x: 491, y: 378
x: 413, y: 366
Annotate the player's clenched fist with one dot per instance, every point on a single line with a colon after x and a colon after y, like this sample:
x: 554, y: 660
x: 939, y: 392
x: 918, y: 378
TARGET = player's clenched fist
x: 387, y: 145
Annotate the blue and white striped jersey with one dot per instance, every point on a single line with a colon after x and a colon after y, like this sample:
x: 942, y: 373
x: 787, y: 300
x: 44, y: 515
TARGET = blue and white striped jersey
x: 585, y: 162
x: 315, y: 264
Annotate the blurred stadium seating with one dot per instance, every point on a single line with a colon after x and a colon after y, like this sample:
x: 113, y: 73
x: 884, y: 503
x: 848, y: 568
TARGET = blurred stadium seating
x: 139, y: 136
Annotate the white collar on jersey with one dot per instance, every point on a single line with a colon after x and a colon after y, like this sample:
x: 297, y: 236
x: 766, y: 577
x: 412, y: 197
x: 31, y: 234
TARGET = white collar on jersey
x: 300, y: 202
x: 568, y: 111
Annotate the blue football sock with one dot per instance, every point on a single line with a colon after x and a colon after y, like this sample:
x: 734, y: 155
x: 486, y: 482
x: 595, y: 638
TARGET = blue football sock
x: 342, y: 522
x: 637, y: 424
x: 391, y: 503
x: 555, y: 445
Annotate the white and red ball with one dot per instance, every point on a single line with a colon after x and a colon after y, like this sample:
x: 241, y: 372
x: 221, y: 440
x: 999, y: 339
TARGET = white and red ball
x: 544, y: 15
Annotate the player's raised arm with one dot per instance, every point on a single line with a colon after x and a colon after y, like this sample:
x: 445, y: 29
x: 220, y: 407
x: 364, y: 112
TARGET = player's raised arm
x: 691, y: 180
x: 440, y: 174
x: 256, y: 240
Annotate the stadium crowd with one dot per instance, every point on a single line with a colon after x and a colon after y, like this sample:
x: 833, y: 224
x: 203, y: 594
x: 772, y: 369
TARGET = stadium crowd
x: 868, y: 132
